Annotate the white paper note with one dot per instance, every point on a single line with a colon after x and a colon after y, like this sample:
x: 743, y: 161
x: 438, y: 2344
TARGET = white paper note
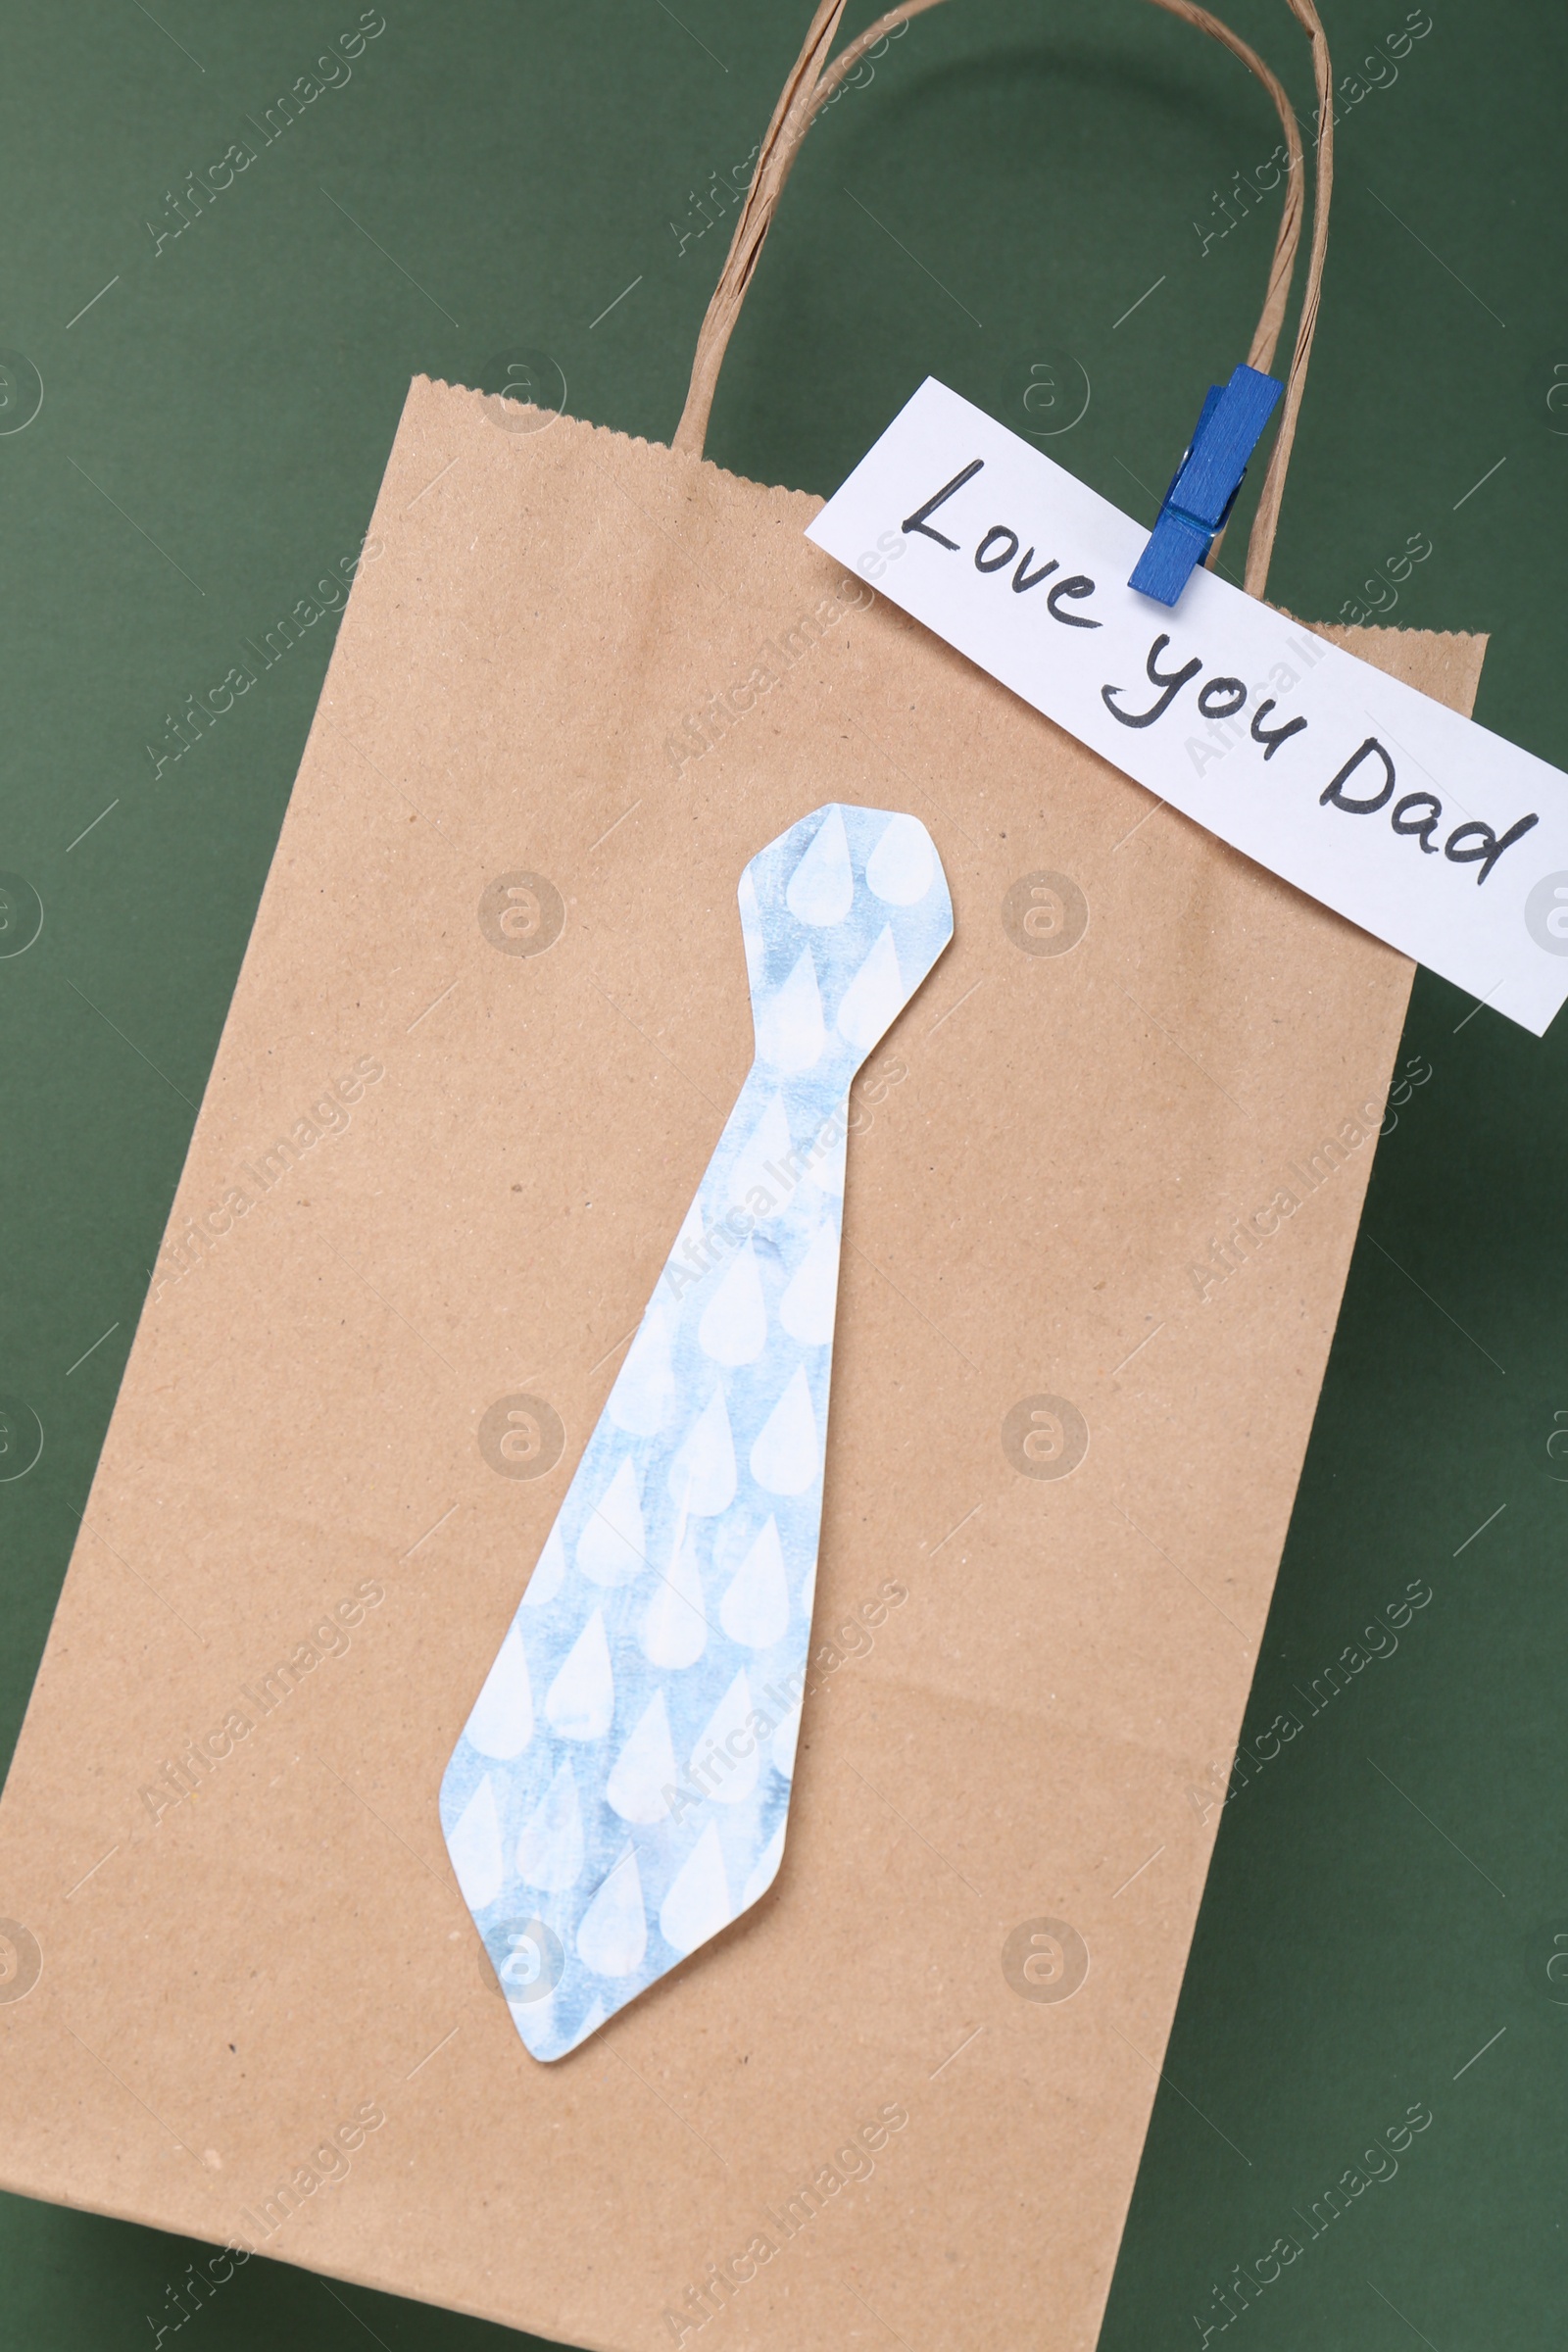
x: 1425, y: 829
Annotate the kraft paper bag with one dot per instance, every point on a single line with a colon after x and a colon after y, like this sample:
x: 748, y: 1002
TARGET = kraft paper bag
x: 490, y: 1022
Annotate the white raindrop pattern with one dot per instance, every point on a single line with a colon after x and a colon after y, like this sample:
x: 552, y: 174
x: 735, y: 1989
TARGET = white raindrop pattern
x: 625, y: 1773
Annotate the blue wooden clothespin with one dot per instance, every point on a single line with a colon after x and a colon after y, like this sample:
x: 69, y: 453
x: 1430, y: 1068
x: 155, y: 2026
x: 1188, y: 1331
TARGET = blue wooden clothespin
x: 1203, y: 490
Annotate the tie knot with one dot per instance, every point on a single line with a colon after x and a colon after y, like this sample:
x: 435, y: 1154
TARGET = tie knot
x: 842, y: 916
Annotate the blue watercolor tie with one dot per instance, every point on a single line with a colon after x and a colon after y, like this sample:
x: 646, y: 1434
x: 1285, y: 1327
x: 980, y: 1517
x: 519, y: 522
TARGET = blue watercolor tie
x: 622, y: 1789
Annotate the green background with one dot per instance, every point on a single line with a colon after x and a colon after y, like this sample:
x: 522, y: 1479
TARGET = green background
x: 1385, y: 1894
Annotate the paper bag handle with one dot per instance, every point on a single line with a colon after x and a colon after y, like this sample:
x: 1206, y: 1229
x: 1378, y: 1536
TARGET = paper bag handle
x: 812, y: 82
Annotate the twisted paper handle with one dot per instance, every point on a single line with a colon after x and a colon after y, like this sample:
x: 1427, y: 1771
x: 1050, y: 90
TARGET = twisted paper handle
x: 813, y: 83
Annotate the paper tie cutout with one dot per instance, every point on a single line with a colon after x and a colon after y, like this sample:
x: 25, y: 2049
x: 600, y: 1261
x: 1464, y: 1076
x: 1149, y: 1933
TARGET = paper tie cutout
x: 622, y: 1789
